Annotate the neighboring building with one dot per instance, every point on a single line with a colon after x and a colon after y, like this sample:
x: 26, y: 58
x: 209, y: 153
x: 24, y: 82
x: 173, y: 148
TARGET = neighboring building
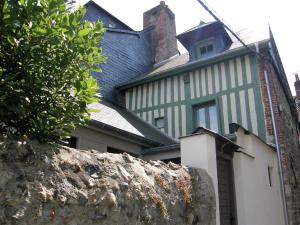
x: 208, y: 108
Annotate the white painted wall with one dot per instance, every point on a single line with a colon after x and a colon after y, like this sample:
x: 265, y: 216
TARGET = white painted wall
x: 89, y: 138
x: 199, y: 151
x: 256, y: 202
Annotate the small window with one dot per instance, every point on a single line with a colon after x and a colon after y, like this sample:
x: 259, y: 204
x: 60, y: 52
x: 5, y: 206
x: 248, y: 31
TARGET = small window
x: 270, y: 170
x: 207, y: 116
x: 111, y: 24
x: 72, y: 142
x: 118, y: 151
x: 160, y: 123
x: 205, y: 49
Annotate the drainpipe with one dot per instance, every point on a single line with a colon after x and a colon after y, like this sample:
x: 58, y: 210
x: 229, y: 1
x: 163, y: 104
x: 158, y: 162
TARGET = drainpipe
x: 282, y: 188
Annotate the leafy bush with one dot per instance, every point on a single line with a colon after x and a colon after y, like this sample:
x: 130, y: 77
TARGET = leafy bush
x: 46, y: 54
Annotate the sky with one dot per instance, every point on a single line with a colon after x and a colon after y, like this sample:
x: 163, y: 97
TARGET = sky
x: 282, y: 16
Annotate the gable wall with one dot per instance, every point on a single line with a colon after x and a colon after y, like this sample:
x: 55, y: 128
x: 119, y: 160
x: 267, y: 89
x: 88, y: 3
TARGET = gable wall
x: 233, y: 84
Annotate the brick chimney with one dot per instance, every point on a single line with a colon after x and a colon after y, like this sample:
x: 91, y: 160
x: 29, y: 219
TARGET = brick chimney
x: 297, y: 86
x: 164, y: 33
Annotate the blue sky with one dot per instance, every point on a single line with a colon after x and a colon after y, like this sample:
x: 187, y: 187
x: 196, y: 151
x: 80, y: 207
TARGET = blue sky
x: 283, y: 17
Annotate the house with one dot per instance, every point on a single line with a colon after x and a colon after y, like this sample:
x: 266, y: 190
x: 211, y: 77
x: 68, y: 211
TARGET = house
x: 221, y: 106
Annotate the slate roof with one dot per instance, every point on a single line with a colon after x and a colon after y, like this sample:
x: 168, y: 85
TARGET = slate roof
x: 94, y: 4
x: 124, y: 122
x: 201, y: 25
x: 180, y: 61
x: 129, y: 53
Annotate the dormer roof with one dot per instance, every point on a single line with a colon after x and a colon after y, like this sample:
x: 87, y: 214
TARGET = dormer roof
x: 204, y: 31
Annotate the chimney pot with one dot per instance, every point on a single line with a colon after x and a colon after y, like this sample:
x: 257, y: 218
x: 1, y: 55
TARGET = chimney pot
x: 162, y: 2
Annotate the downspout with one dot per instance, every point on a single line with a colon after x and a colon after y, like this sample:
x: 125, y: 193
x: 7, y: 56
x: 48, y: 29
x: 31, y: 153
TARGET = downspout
x: 278, y: 152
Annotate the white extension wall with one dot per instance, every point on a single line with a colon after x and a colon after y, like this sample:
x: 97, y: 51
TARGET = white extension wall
x: 256, y: 201
x: 199, y: 151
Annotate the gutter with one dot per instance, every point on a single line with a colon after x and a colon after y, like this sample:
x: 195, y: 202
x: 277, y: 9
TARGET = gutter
x: 278, y: 151
x: 122, y: 31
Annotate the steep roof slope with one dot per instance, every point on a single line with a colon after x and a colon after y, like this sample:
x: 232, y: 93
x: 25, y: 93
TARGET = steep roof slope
x: 120, y: 120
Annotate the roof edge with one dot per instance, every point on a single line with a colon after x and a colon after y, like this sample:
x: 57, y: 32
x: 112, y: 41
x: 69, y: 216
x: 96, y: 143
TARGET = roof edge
x: 127, y: 134
x: 203, y: 130
x: 99, y: 7
x: 234, y: 127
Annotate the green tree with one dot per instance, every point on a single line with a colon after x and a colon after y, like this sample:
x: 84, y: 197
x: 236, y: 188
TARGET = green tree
x: 46, y: 54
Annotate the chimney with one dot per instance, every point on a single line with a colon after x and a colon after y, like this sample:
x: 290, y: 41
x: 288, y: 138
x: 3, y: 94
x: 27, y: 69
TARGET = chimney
x: 164, y: 42
x: 297, y: 86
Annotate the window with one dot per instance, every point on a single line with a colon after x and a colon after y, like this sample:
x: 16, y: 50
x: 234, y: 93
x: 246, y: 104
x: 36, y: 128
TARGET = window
x: 111, y: 24
x: 204, y: 49
x: 270, y: 171
x: 206, y: 116
x: 72, y: 142
x: 118, y: 151
x: 173, y: 160
x: 160, y: 123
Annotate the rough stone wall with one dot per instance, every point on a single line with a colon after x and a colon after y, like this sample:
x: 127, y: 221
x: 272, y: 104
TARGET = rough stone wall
x: 287, y: 137
x: 57, y: 185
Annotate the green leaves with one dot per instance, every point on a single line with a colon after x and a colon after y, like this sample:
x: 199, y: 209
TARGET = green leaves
x: 83, y: 32
x: 46, y: 55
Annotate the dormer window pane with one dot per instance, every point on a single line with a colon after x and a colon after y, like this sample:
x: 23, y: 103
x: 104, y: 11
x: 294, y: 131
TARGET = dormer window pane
x: 209, y: 48
x: 203, y: 50
x: 206, y: 49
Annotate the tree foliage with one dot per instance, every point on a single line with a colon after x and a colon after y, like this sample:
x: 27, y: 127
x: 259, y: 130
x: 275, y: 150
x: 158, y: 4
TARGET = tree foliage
x: 46, y: 54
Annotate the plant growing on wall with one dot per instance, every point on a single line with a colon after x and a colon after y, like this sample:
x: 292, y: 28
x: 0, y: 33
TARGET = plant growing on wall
x: 46, y: 54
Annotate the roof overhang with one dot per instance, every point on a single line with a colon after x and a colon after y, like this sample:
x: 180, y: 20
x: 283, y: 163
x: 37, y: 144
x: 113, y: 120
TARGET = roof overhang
x: 203, y: 32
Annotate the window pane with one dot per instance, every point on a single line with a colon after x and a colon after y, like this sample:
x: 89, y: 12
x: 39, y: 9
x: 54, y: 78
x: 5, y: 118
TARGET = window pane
x: 201, y: 117
x: 160, y: 123
x: 213, y: 118
x: 203, y: 50
x: 209, y: 48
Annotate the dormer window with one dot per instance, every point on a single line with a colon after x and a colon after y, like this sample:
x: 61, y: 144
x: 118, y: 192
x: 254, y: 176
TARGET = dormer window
x: 111, y: 24
x: 205, y: 40
x: 204, y: 49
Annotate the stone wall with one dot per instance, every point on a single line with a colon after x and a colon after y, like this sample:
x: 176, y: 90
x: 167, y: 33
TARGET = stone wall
x: 42, y: 184
x: 288, y: 137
